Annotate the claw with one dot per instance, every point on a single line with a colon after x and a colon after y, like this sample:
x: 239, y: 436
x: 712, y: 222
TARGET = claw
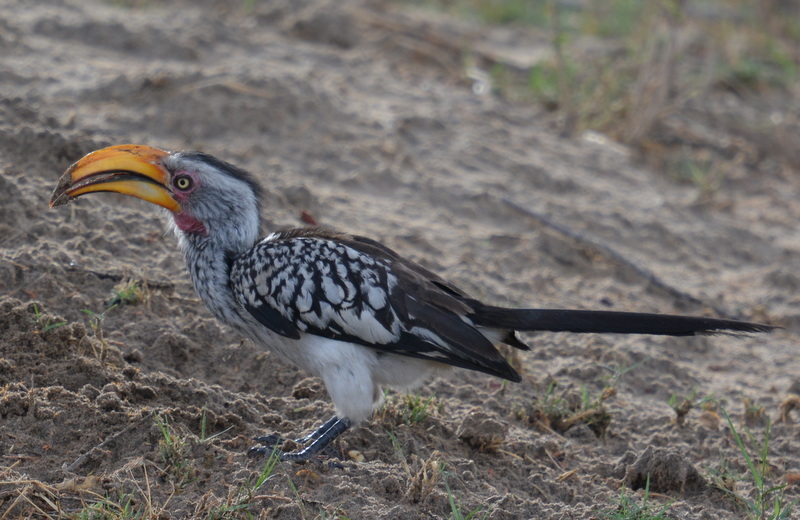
x: 270, y: 440
x: 260, y: 451
x: 269, y: 445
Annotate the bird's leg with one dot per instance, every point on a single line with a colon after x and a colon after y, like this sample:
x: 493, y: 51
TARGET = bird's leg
x: 320, y: 439
x: 273, y: 440
x: 318, y: 432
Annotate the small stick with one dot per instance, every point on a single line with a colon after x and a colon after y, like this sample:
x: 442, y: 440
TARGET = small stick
x: 80, y: 460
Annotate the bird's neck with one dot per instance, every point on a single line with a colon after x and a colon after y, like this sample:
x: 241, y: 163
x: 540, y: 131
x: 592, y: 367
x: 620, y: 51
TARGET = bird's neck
x: 209, y: 262
x: 209, y: 248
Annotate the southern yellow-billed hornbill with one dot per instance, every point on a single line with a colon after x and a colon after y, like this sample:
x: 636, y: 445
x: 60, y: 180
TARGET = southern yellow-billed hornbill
x: 343, y: 307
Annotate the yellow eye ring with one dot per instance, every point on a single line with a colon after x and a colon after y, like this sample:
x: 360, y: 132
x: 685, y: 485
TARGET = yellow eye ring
x: 183, y: 182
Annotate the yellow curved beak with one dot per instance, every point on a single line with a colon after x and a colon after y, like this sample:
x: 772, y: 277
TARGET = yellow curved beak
x: 130, y: 169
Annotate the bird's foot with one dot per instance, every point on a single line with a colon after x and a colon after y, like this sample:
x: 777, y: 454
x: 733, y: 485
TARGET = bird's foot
x: 269, y: 444
x: 318, y: 442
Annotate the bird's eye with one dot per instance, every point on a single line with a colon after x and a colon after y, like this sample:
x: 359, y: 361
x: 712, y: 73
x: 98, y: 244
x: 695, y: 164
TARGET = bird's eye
x: 183, y: 183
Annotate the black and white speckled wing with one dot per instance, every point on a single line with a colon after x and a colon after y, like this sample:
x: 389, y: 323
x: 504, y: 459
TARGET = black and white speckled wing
x: 353, y: 289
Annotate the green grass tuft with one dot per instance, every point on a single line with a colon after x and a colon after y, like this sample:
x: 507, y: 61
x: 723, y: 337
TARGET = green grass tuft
x: 628, y: 509
x: 768, y: 501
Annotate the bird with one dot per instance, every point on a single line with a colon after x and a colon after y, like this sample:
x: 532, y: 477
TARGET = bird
x: 342, y: 307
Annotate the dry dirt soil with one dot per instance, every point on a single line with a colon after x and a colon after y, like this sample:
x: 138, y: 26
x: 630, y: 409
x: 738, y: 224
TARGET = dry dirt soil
x: 359, y: 115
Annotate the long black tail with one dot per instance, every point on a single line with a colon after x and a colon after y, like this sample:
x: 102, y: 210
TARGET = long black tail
x: 565, y: 320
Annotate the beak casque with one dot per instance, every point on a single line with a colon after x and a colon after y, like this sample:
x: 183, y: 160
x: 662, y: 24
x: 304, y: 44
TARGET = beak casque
x: 130, y: 169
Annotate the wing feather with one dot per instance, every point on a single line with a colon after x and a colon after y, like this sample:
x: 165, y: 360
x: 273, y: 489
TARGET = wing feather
x: 354, y: 289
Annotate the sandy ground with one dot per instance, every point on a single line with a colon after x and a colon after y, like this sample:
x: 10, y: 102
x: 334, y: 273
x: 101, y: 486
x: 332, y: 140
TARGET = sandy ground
x: 347, y: 115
